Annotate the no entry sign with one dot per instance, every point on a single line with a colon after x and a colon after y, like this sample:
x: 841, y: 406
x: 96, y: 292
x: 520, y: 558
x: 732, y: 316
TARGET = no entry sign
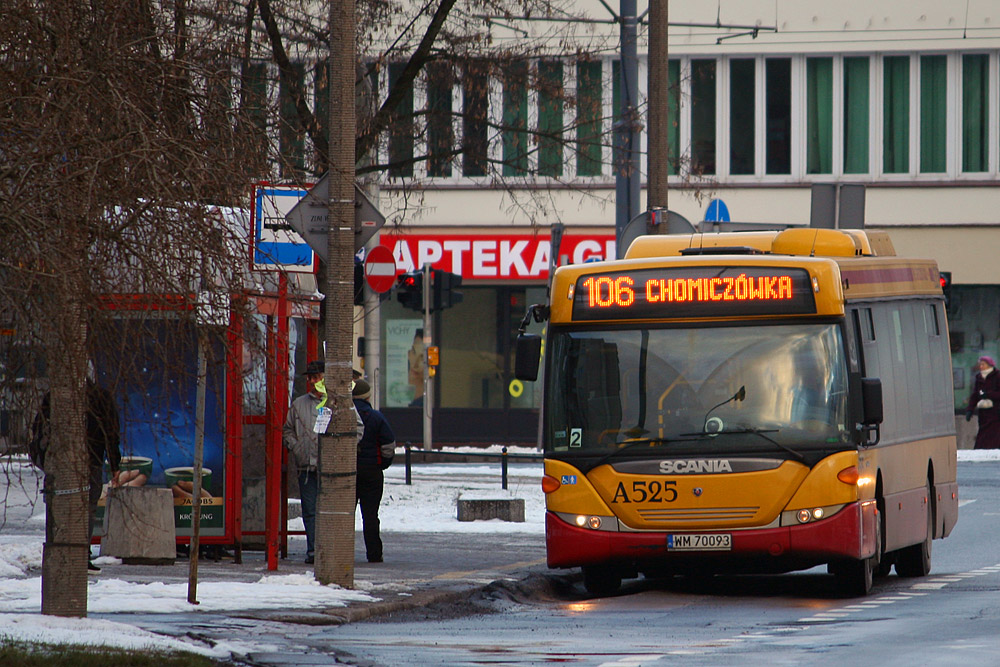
x: 380, y: 269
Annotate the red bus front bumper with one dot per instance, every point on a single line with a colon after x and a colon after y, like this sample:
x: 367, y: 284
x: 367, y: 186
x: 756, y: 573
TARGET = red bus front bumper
x: 850, y: 533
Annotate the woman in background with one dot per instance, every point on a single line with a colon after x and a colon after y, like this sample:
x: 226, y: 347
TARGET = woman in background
x: 985, y: 402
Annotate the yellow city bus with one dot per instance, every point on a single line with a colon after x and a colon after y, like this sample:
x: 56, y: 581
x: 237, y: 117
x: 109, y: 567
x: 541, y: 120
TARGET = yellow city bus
x: 746, y: 402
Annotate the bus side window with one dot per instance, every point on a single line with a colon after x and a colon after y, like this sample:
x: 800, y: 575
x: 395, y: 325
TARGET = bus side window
x: 853, y: 342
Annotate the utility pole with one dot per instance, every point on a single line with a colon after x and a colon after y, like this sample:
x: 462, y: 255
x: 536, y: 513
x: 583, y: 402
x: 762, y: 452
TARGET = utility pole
x: 428, y: 404
x: 656, y: 114
x: 338, y: 446
x: 627, y: 128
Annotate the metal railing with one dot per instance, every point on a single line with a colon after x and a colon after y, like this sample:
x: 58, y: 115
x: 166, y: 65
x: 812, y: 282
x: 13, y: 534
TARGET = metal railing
x: 504, y: 457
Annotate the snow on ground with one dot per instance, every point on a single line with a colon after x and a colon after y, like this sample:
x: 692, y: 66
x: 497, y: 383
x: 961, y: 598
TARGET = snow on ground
x: 428, y: 505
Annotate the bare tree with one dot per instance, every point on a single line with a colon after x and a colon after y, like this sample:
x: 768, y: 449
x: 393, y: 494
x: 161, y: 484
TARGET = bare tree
x: 121, y: 148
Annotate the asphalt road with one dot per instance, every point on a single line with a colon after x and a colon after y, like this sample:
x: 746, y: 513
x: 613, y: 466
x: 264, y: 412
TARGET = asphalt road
x: 951, y: 617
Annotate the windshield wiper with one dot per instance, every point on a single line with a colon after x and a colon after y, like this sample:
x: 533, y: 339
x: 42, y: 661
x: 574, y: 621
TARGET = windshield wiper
x: 762, y: 433
x: 630, y: 444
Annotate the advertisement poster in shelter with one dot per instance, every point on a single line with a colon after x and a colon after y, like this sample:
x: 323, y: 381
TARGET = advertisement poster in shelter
x: 404, y: 367
x: 153, y: 377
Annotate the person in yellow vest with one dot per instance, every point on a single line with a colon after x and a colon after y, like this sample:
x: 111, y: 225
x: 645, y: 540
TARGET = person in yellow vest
x: 301, y: 437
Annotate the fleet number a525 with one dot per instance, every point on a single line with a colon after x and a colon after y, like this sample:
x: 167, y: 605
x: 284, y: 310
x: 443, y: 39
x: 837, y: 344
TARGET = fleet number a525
x: 646, y: 492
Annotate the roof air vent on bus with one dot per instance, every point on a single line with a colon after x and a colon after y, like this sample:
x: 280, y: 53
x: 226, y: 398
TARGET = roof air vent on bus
x: 722, y: 250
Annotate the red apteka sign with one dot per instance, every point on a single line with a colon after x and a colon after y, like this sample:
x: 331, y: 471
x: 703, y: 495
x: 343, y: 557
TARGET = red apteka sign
x: 511, y: 257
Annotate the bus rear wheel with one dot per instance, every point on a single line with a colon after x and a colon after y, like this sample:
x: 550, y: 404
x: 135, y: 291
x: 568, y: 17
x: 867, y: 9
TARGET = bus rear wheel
x: 601, y: 581
x: 915, y: 560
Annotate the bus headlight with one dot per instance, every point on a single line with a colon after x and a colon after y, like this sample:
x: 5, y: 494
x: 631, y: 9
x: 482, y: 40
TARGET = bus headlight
x: 808, y: 514
x: 588, y: 521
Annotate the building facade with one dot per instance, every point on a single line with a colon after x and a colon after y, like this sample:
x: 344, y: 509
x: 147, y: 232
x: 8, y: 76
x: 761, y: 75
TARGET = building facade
x: 765, y: 100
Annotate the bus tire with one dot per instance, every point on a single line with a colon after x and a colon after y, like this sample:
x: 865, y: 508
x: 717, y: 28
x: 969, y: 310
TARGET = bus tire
x: 601, y: 581
x: 915, y: 560
x: 885, y: 560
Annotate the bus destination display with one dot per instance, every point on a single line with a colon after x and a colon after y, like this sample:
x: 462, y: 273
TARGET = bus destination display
x: 700, y: 291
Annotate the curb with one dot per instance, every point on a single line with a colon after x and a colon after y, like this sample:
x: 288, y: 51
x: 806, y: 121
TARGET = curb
x: 524, y: 585
x: 385, y: 607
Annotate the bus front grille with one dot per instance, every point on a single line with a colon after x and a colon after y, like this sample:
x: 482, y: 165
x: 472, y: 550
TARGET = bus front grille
x: 698, y: 515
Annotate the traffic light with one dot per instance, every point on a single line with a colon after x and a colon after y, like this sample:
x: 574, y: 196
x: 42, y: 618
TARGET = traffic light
x: 946, y: 288
x: 410, y: 289
x: 444, y: 295
x: 359, y: 282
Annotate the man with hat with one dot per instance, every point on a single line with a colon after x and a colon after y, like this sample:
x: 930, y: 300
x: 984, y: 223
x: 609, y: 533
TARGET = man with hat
x: 300, y: 436
x: 375, y: 452
x: 985, y: 403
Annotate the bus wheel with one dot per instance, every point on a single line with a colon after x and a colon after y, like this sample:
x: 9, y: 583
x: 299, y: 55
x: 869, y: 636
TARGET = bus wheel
x: 885, y: 560
x: 601, y: 581
x: 915, y: 560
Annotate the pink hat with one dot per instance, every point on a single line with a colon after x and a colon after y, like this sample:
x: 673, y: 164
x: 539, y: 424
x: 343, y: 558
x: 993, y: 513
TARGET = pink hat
x: 988, y: 360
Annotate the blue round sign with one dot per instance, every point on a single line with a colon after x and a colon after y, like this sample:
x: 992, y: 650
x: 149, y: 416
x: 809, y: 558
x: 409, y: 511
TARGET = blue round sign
x: 717, y: 211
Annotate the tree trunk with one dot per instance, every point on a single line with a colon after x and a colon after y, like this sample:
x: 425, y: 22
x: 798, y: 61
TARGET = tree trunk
x: 338, y: 451
x: 67, y: 465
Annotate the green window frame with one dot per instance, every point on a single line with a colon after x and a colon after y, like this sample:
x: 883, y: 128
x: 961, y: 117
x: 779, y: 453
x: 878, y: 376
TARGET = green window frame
x: 703, y: 96
x: 933, y: 113
x: 896, y: 114
x: 819, y: 115
x: 975, y: 112
x: 742, y: 115
x: 673, y: 116
x: 856, y: 114
x: 475, y: 118
x: 291, y: 132
x: 321, y: 101
x: 550, y: 118
x: 778, y: 131
x: 256, y: 95
x: 514, y: 139
x: 588, y: 118
x: 440, y: 135
x: 401, y: 129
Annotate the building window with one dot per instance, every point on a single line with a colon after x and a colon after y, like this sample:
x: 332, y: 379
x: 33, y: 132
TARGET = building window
x: 321, y: 105
x: 933, y: 113
x: 703, y: 117
x: 856, y: 114
x: 401, y: 129
x: 291, y: 135
x: 975, y: 112
x: 742, y: 115
x: 778, y: 72
x: 819, y: 115
x: 588, y: 118
x: 550, y: 118
x: 256, y: 95
x: 475, y: 119
x: 515, y: 119
x: 673, y: 116
x: 440, y: 137
x: 896, y: 114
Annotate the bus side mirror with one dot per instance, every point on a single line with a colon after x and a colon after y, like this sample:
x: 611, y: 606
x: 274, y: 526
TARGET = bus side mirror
x: 528, y: 352
x: 871, y: 396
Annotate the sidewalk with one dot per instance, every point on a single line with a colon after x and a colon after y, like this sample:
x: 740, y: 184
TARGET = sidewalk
x: 420, y: 569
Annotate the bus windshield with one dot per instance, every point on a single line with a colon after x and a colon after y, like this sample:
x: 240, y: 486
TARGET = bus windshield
x: 711, y: 389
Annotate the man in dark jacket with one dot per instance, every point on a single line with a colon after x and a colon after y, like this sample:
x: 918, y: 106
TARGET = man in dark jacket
x: 375, y: 452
